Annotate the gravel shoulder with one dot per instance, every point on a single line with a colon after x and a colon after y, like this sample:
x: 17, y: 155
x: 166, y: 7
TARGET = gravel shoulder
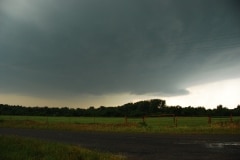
x: 142, y: 146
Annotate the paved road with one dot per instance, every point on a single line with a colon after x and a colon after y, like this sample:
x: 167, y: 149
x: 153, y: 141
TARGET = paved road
x: 145, y: 146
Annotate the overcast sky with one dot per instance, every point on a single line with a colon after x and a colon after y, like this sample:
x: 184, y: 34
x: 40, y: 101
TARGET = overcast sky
x: 80, y: 53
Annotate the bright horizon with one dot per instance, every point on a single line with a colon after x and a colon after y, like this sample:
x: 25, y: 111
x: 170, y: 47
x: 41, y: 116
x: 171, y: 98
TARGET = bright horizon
x: 210, y: 95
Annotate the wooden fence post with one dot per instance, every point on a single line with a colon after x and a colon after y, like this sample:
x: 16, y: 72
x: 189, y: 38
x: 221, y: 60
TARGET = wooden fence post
x: 176, y: 121
x: 231, y: 119
x: 209, y: 120
x: 126, y: 120
x: 143, y: 119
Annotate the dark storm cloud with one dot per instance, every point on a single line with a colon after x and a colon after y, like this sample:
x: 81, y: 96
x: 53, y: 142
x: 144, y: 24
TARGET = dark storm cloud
x: 99, y: 47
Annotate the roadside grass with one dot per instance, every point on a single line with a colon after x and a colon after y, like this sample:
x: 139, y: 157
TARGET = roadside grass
x: 14, y: 147
x: 168, y: 125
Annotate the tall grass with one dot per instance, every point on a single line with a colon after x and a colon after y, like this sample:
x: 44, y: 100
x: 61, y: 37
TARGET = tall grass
x: 16, y: 148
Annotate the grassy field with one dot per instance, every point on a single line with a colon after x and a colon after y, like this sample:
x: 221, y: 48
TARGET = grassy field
x: 180, y: 125
x: 13, y: 147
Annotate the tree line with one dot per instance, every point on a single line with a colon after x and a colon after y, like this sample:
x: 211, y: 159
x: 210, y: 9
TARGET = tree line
x: 154, y: 107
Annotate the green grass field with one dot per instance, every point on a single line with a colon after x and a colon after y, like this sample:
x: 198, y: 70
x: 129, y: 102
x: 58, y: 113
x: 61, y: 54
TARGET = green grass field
x: 193, y: 125
x: 14, y: 147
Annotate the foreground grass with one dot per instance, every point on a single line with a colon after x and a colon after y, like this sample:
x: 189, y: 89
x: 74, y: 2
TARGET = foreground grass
x: 16, y: 148
x: 180, y: 125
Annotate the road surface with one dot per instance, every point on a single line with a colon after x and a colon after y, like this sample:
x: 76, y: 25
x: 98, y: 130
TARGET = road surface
x: 142, y: 146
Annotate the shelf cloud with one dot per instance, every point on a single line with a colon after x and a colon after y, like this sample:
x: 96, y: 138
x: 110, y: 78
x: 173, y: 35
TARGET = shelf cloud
x: 64, y: 48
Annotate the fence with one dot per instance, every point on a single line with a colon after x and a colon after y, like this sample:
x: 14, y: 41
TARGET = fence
x: 170, y: 120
